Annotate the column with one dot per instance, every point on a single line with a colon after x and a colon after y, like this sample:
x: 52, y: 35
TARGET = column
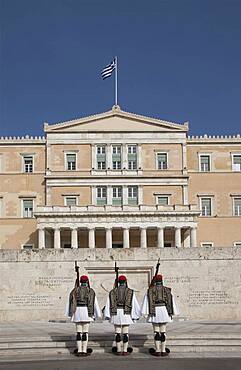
x: 108, y: 157
x: 48, y: 195
x: 140, y: 194
x: 93, y: 156
x: 57, y: 238
x: 109, y: 195
x: 74, y: 238
x: 41, y: 238
x: 160, y: 237
x: 126, y: 238
x: 124, y: 157
x: 139, y: 157
x: 91, y: 238
x: 125, y: 195
x: 193, y: 237
x: 178, y: 237
x: 185, y: 194
x: 143, y: 238
x: 108, y: 238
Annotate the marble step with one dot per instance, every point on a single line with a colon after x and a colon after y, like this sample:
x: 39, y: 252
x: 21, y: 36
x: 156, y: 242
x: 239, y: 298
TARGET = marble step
x: 65, y: 344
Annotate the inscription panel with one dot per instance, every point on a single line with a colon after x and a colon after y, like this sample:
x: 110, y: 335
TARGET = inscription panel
x: 203, y: 288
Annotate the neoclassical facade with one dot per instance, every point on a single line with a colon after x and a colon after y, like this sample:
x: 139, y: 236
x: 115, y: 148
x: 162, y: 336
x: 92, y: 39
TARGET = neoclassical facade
x: 119, y: 180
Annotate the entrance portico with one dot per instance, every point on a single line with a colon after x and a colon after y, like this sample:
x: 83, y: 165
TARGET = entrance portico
x: 107, y: 227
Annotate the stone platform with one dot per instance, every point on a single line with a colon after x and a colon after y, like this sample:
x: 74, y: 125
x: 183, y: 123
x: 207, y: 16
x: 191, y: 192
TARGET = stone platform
x: 55, y: 338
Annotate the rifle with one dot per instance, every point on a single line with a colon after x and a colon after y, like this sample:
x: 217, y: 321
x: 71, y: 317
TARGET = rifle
x: 77, y: 274
x: 156, y: 272
x: 116, y: 275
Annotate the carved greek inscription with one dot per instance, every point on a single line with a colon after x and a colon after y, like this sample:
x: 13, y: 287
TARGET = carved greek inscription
x: 199, y: 298
x: 53, y: 282
x: 179, y: 279
x: 30, y: 300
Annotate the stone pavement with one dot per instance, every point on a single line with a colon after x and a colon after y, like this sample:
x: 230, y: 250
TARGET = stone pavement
x: 185, y: 338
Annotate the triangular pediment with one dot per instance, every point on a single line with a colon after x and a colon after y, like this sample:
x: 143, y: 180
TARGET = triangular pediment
x: 116, y: 120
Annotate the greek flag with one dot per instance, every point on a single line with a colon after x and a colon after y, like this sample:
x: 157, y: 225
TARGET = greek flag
x: 107, y: 71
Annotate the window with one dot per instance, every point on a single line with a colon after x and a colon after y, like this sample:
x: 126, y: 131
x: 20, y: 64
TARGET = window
x: 236, y: 162
x: 132, y: 195
x: 206, y: 206
x: 101, y: 195
x: 132, y: 149
x: 101, y: 149
x: 27, y: 163
x: 70, y: 201
x: 237, y: 244
x: 27, y: 246
x: 71, y: 162
x: 204, y: 163
x: 116, y: 157
x: 116, y: 195
x: 162, y: 161
x: 116, y: 149
x: 27, y: 208
x: 132, y: 157
x: 162, y: 200
x: 237, y: 206
x: 101, y: 157
x: 207, y: 244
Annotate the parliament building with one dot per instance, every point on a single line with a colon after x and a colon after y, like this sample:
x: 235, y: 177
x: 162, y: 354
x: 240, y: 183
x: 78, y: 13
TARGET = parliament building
x: 119, y: 180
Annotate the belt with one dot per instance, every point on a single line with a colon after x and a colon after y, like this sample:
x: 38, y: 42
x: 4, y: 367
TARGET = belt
x: 81, y: 305
x: 159, y: 304
x: 120, y: 306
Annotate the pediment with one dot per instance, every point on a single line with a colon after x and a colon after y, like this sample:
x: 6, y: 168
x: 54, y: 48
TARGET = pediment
x: 116, y: 120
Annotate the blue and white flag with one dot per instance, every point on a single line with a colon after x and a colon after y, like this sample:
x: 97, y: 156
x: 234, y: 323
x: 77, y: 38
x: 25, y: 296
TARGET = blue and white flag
x: 107, y: 71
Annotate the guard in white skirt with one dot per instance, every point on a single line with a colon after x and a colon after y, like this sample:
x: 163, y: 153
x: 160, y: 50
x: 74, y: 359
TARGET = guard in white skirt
x: 83, y: 308
x: 159, y: 306
x: 121, y: 309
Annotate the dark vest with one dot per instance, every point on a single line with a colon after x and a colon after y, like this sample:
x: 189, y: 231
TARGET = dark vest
x: 125, y: 300
x: 159, y: 296
x: 82, y: 296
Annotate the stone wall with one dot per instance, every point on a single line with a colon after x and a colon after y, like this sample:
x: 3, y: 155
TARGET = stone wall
x: 35, y: 284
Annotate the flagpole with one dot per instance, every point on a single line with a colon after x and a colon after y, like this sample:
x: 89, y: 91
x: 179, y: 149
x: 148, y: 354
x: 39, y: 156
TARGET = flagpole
x: 116, y: 81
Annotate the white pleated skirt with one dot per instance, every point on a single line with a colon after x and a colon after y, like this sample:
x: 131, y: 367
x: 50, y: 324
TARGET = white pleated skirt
x: 160, y: 317
x: 120, y: 318
x: 81, y: 315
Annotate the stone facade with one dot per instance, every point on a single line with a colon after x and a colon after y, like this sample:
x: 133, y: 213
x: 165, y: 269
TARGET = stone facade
x: 119, y: 180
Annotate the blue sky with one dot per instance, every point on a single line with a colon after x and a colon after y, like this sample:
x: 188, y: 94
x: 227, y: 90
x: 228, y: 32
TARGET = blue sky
x: 179, y: 60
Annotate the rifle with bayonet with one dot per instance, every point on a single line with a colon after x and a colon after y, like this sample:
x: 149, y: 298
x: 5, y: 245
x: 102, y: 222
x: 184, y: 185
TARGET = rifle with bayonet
x: 156, y: 272
x: 116, y: 275
x: 77, y: 274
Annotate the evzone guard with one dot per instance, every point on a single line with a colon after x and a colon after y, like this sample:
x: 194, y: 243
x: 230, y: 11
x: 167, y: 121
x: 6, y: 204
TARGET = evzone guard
x: 159, y: 306
x: 83, y: 308
x: 121, y: 309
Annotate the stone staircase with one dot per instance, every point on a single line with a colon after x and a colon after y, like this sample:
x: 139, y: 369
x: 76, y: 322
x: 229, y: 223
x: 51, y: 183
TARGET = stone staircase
x: 65, y: 344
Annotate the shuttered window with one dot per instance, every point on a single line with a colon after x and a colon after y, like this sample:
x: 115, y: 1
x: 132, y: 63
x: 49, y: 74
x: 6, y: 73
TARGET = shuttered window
x: 204, y: 163
x: 132, y: 195
x: 101, y: 195
x: 27, y: 208
x: 162, y: 200
x: 71, y: 162
x: 101, y: 157
x: 206, y: 205
x: 132, y: 157
x: 117, y: 195
x: 71, y: 201
x: 162, y: 161
x: 237, y: 206
x: 237, y: 162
